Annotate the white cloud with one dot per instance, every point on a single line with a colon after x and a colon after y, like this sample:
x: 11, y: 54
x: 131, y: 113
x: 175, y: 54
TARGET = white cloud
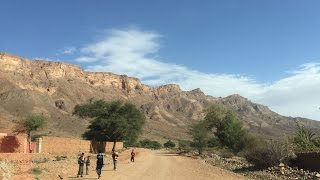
x: 68, y: 50
x: 296, y: 95
x: 132, y: 52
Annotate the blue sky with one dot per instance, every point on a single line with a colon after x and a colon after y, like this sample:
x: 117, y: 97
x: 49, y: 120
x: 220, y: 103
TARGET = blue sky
x: 267, y: 51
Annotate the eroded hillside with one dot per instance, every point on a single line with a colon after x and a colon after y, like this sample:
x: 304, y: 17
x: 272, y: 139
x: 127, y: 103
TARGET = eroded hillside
x: 54, y: 88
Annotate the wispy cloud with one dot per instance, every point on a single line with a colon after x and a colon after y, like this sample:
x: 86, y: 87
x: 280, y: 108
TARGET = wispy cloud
x: 133, y: 52
x: 68, y: 50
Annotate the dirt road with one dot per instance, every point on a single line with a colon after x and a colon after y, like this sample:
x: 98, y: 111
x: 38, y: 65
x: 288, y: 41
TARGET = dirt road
x: 158, y: 165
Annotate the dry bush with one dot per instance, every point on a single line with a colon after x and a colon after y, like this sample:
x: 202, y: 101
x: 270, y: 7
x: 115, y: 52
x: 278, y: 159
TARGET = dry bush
x: 269, y: 153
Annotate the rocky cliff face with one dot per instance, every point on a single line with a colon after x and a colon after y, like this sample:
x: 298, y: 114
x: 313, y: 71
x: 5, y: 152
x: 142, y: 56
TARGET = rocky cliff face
x: 54, y: 88
x: 44, y: 73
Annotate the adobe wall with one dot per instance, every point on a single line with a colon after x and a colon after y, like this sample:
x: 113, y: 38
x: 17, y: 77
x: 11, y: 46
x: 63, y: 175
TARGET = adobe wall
x: 13, y: 144
x: 52, y: 145
x: 57, y: 145
x: 109, y: 145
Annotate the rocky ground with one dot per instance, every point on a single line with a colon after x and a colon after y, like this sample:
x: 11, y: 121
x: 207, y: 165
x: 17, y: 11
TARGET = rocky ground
x: 241, y: 166
x: 286, y: 172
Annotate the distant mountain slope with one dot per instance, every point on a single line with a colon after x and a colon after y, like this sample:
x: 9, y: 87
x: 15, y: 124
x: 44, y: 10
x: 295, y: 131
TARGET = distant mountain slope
x: 54, y: 88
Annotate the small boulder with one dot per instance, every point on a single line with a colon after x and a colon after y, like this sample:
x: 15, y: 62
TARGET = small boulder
x: 61, y: 105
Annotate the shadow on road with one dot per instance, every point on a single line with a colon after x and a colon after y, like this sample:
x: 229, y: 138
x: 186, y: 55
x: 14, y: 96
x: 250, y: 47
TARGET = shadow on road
x: 108, y: 170
x: 166, y: 154
x: 81, y: 178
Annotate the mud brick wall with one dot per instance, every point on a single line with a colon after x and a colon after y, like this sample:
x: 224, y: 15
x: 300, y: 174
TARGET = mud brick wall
x: 57, y: 145
x: 13, y: 144
x: 308, y: 161
x: 109, y: 145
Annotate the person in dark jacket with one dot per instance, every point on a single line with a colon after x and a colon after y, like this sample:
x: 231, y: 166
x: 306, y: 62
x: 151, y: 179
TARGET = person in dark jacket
x: 100, y: 163
x: 81, y: 165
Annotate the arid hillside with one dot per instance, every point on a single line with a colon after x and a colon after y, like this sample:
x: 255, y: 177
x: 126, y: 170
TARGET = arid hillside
x: 54, y: 88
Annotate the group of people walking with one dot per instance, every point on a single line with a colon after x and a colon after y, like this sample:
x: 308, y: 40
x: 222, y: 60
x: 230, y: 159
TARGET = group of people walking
x: 85, y: 162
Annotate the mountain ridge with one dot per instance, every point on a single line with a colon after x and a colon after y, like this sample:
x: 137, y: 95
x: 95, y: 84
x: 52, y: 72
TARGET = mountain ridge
x: 54, y: 88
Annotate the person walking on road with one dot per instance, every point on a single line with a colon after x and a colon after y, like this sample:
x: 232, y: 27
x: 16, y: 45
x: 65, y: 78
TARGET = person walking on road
x: 81, y: 165
x: 100, y: 164
x: 133, y: 154
x: 87, y: 165
x: 115, y: 156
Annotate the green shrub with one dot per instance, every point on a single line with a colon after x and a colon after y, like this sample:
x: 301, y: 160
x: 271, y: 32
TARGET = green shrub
x: 305, y: 140
x: 169, y: 144
x: 36, y: 171
x: 213, y: 142
x: 146, y: 143
x: 38, y: 161
x: 60, y: 158
x: 156, y: 145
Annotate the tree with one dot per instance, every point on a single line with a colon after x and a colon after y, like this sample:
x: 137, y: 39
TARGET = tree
x: 32, y: 123
x: 215, y: 115
x: 199, y: 133
x: 113, y: 121
x: 213, y: 142
x: 169, y: 144
x: 226, y: 128
x: 230, y: 133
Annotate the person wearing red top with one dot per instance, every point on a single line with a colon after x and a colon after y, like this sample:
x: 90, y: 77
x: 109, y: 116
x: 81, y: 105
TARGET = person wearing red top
x: 133, y: 154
